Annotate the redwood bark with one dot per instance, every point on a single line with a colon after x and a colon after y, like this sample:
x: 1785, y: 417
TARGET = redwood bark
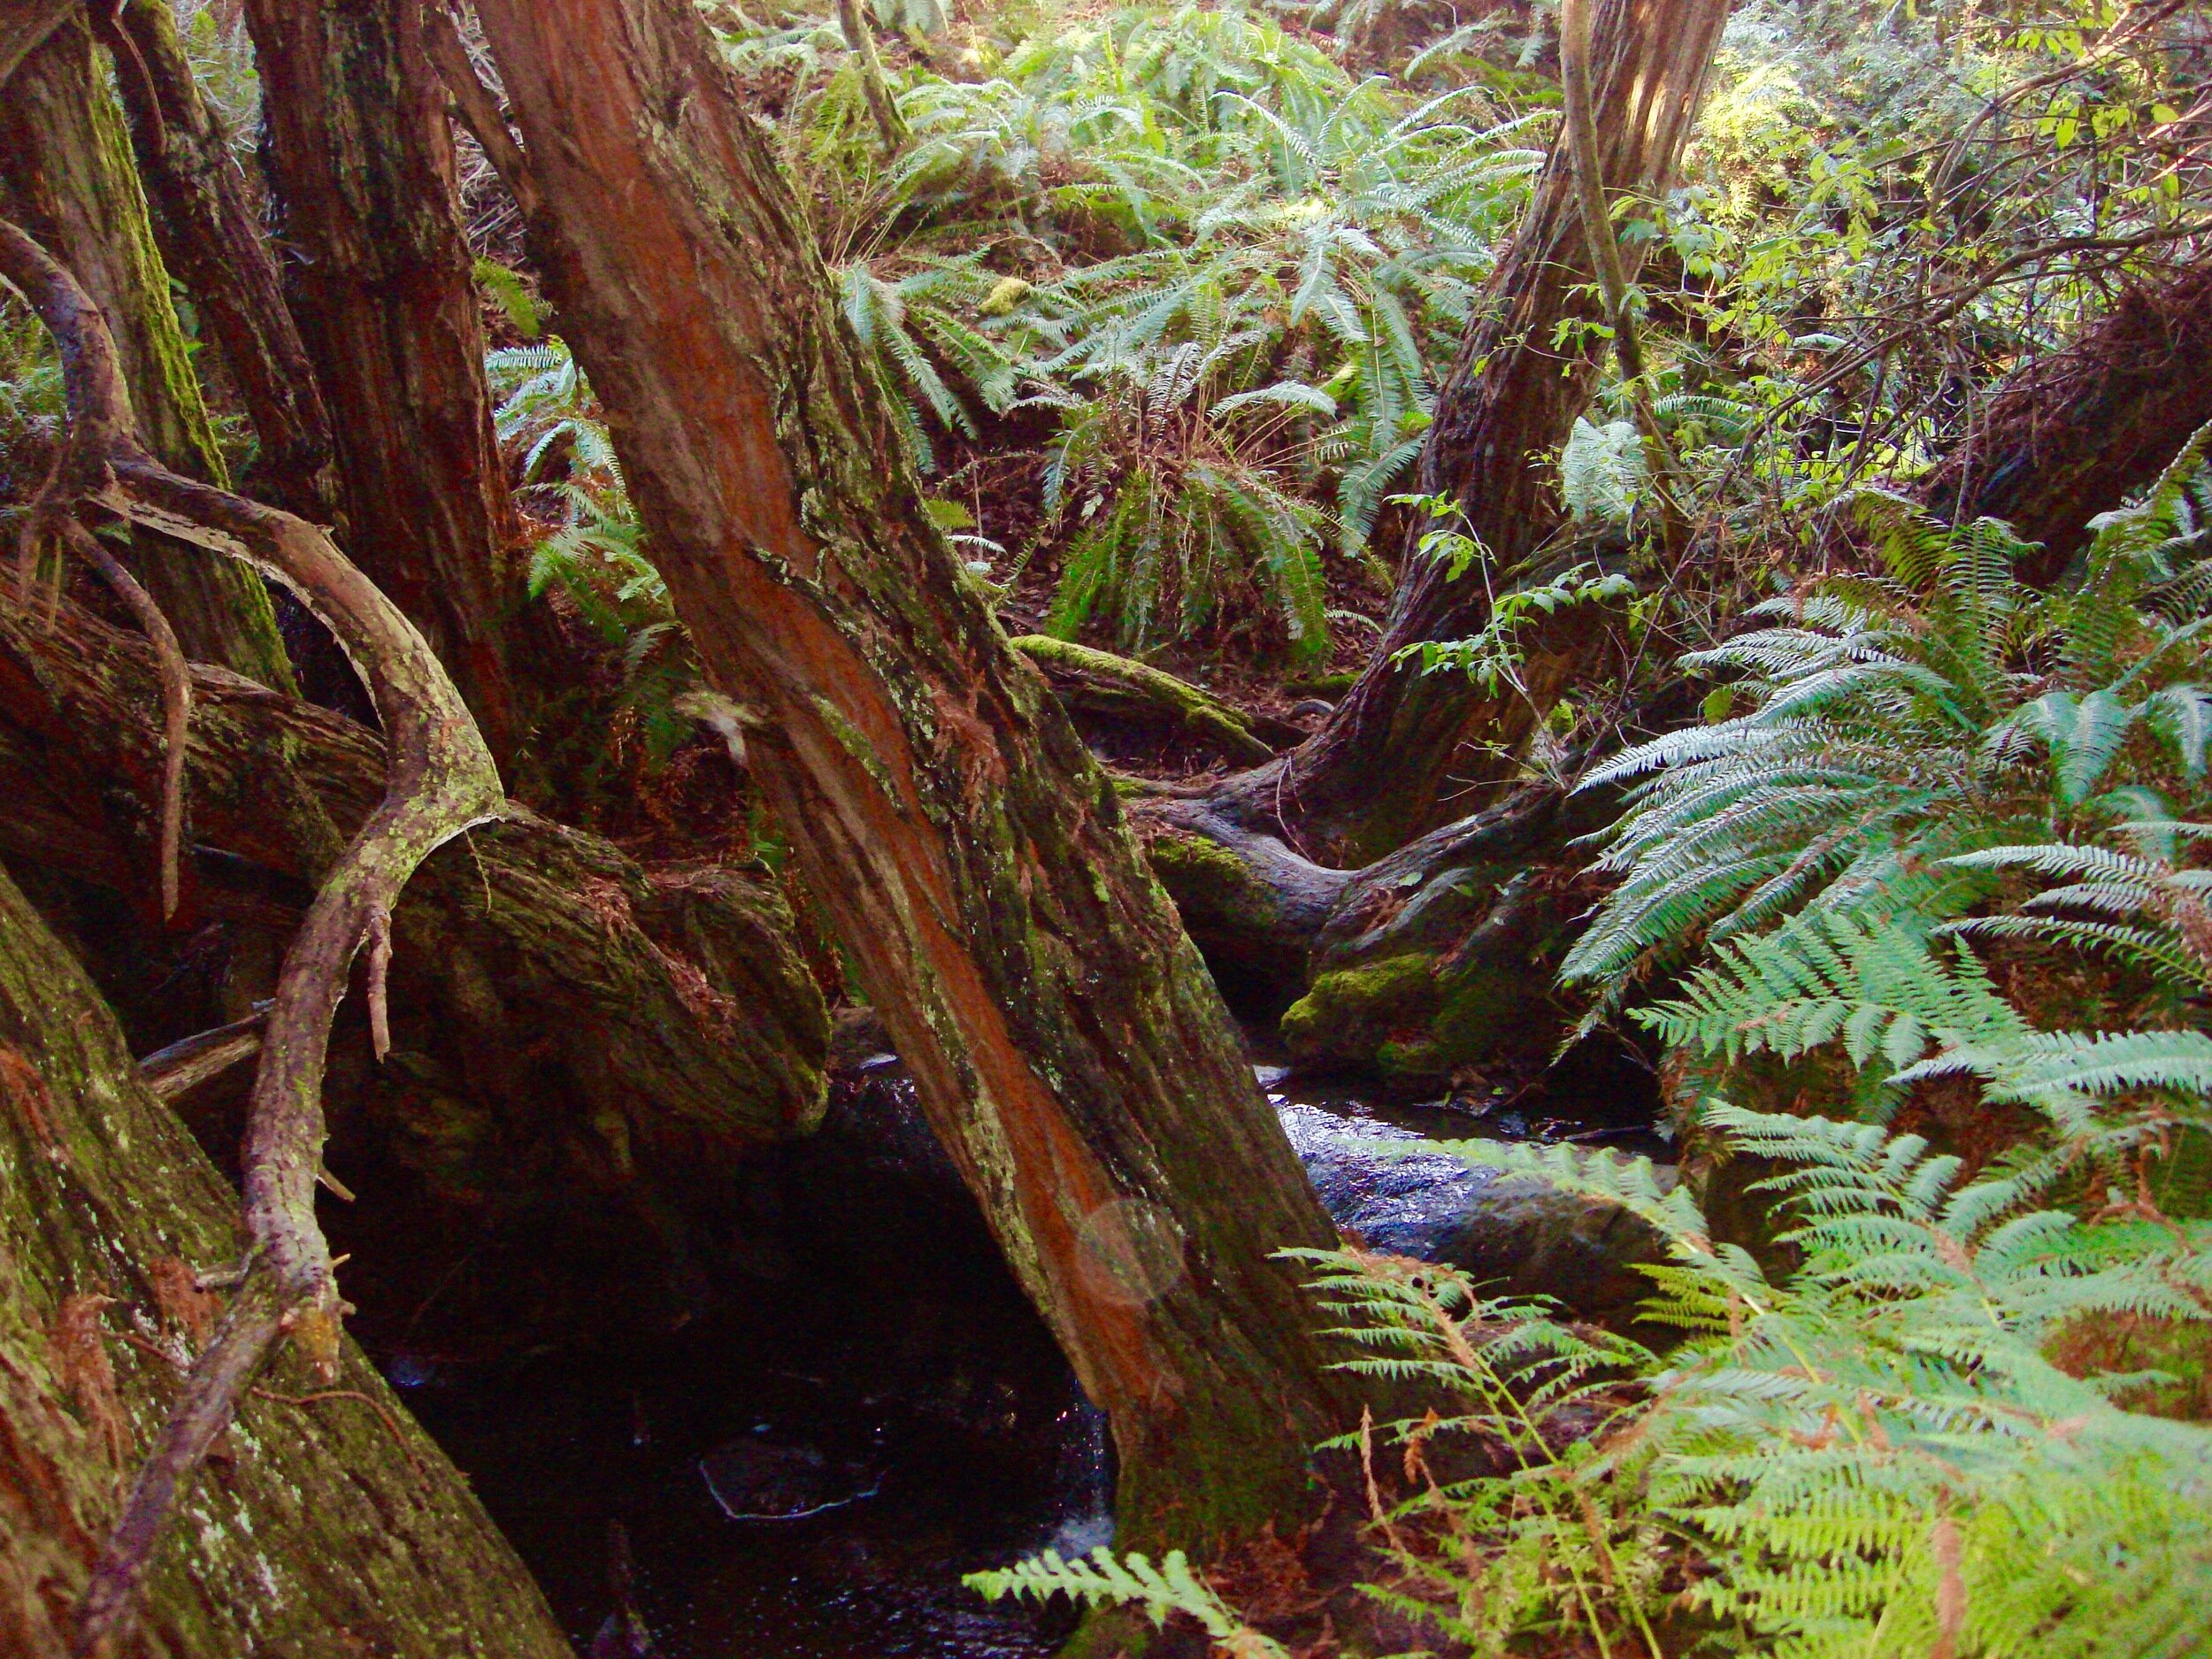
x: 66, y: 176
x: 1065, y: 1040
x: 379, y: 282
x: 1396, y: 758
x: 334, y: 1525
x: 210, y: 237
x: 2070, y: 436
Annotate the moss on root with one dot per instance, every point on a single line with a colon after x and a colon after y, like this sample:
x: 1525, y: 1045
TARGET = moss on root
x: 1413, y: 1018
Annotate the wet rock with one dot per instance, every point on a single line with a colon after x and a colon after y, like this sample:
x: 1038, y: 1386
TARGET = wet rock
x: 1514, y: 1234
x: 762, y: 1479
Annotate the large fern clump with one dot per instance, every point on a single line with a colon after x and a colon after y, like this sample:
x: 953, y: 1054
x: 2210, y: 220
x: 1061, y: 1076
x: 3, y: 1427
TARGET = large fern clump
x: 1106, y: 207
x: 1894, y: 724
x: 1872, y: 1455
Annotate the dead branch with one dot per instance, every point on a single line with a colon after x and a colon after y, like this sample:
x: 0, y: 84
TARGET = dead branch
x: 477, y: 107
x: 441, y: 780
x: 184, y: 1065
x: 176, y: 692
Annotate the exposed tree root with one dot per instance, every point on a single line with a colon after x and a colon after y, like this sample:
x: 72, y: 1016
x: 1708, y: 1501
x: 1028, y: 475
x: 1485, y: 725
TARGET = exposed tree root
x: 1437, y: 957
x: 442, y: 781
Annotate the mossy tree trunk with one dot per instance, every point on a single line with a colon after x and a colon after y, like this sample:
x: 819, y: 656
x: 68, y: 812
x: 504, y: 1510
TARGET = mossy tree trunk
x: 1066, y: 1041
x: 1405, y: 752
x: 330, y: 1525
x: 68, y: 176
x: 211, y: 236
x: 379, y: 282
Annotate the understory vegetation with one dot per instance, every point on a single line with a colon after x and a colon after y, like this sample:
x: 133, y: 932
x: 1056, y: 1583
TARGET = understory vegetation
x: 1953, y: 1400
x: 1093, y: 442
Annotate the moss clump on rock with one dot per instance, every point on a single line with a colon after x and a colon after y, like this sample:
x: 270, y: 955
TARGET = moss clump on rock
x: 1350, y: 1014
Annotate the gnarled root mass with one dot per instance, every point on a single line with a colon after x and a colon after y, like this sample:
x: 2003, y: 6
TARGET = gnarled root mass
x: 441, y: 781
x: 569, y: 1028
x: 1434, y: 960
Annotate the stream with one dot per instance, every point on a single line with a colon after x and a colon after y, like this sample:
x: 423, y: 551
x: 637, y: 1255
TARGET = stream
x: 873, y: 1409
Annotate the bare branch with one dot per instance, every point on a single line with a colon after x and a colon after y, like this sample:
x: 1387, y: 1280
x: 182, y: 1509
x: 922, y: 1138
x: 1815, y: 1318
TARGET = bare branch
x: 478, y: 107
x: 176, y: 692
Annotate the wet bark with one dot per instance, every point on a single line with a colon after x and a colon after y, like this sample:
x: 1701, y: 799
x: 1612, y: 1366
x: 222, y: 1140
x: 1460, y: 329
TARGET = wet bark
x: 1065, y: 1041
x: 1405, y: 752
x: 330, y: 1524
x: 210, y: 238
x: 67, y: 175
x: 378, y: 279
x: 2070, y: 436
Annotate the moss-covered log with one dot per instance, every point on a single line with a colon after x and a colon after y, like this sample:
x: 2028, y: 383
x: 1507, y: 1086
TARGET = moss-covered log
x: 539, y: 978
x: 330, y: 1523
x: 68, y: 176
x: 1095, y: 682
x: 2072, y: 434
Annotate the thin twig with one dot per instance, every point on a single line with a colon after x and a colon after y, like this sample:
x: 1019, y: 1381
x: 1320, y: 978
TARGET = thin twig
x: 176, y: 692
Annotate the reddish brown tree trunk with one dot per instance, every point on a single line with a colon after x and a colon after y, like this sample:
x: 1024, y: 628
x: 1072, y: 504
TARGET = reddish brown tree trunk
x: 379, y: 282
x: 1396, y: 757
x: 2070, y: 436
x: 212, y: 239
x: 1066, y: 1041
x: 67, y: 175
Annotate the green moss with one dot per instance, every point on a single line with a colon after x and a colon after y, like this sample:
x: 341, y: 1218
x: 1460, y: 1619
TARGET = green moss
x: 1109, y: 1632
x: 1206, y: 879
x: 1419, y: 1060
x: 1349, y: 1015
x: 1319, y: 686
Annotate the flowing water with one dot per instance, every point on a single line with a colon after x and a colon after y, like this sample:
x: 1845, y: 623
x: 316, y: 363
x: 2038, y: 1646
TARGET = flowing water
x: 807, y: 1473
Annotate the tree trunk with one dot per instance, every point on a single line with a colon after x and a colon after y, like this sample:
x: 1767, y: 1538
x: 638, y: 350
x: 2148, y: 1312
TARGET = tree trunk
x: 2070, y: 436
x: 541, y: 982
x: 332, y: 1524
x: 68, y: 177
x: 381, y: 283
x: 212, y: 239
x: 1065, y: 1041
x: 1398, y: 756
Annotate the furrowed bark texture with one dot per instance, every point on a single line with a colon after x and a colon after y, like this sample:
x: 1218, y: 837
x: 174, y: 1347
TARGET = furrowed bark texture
x: 379, y: 282
x: 212, y: 239
x: 332, y: 1526
x: 1064, y: 1038
x: 1394, y: 759
x: 549, y: 977
x: 2071, y: 436
x: 68, y: 176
